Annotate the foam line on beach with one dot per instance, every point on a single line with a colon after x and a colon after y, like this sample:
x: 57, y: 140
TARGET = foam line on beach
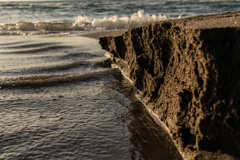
x: 115, y: 22
x: 82, y: 23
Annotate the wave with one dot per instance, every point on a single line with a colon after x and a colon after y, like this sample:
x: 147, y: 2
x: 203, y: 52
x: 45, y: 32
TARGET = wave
x: 82, y: 23
x: 83, y: 55
x: 30, y: 26
x: 115, y: 22
x: 51, y: 80
x: 6, y: 44
x: 14, y: 46
x: 27, y: 6
x: 43, y: 69
x: 57, y: 5
x: 37, y: 50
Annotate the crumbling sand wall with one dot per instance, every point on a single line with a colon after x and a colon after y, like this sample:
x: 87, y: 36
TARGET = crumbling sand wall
x: 188, y: 71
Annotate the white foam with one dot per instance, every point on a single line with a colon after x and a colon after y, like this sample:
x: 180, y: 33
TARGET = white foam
x: 83, y: 23
x: 115, y: 22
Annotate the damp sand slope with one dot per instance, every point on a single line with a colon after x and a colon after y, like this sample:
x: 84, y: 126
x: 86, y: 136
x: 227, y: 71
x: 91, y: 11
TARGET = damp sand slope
x: 188, y: 73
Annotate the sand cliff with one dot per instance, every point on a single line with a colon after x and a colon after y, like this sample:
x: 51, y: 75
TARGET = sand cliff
x: 188, y: 71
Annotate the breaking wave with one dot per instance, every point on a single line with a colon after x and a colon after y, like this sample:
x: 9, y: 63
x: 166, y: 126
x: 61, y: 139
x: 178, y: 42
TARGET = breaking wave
x: 115, y: 22
x: 82, y: 23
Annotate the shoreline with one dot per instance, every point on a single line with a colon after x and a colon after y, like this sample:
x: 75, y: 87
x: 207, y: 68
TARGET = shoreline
x: 185, y: 70
x: 98, y: 34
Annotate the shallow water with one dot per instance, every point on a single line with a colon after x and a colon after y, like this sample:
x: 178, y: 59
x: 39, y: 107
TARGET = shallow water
x: 53, y: 109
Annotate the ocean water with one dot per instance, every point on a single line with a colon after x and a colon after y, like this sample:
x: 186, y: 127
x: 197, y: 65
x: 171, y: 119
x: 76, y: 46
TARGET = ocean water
x: 36, y: 17
x: 59, y: 96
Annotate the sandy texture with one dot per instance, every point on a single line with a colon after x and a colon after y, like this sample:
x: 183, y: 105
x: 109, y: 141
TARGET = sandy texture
x: 188, y: 73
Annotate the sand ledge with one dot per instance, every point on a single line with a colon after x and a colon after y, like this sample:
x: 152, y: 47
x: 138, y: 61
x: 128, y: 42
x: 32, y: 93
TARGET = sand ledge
x: 188, y: 72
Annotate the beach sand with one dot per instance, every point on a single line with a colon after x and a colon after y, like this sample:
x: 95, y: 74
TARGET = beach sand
x: 188, y: 73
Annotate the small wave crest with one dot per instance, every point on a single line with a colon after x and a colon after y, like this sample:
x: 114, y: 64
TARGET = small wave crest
x: 12, y: 5
x: 35, y: 28
x: 38, y: 50
x: 51, y: 80
x: 82, y: 23
x: 115, y: 22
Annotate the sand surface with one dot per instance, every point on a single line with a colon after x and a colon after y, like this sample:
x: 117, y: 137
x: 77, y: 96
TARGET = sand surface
x: 188, y: 73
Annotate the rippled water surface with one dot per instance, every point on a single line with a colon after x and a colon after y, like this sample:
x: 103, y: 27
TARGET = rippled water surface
x: 46, y: 16
x: 60, y: 100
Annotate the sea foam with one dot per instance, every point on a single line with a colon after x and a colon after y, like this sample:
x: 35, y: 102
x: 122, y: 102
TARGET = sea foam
x: 115, y: 22
x: 82, y: 23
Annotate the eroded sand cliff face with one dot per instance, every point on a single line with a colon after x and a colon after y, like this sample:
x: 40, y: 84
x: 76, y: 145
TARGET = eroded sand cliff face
x: 188, y: 71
